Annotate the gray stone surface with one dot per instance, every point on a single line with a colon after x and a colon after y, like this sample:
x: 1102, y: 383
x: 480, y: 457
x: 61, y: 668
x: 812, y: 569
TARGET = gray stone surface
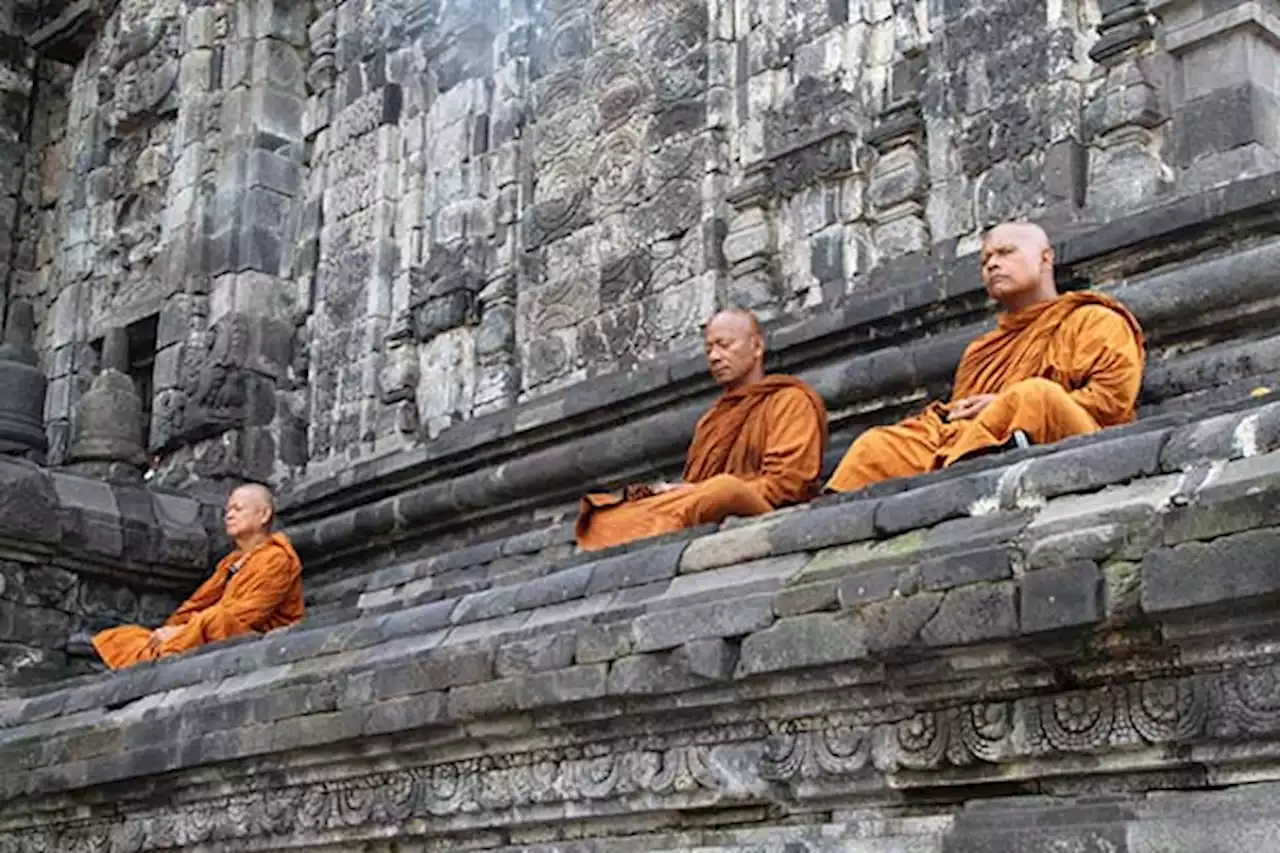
x: 670, y: 628
x: 1064, y: 597
x: 974, y: 613
x: 435, y: 269
x: 22, y: 386
x: 802, y: 641
x: 1195, y: 573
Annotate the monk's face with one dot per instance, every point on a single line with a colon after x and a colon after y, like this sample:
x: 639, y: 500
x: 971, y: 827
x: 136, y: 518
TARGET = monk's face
x: 247, y: 513
x: 1015, y: 259
x: 734, y: 347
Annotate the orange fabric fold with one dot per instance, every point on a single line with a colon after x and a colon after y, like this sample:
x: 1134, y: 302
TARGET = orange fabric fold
x: 758, y: 448
x: 262, y: 594
x: 1062, y: 368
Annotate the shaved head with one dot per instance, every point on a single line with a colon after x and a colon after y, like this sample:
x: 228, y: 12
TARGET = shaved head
x: 257, y: 494
x: 735, y: 347
x: 1017, y: 265
x: 738, y: 317
x: 1027, y: 232
x: 250, y: 510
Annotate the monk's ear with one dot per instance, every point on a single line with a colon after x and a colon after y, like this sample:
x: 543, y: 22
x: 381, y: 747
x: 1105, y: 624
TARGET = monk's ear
x: 1047, y: 257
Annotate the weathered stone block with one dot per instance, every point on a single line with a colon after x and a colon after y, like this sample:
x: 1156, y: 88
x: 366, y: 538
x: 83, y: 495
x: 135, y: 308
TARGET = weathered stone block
x: 1086, y: 468
x: 984, y: 564
x: 802, y: 641
x: 727, y: 548
x: 822, y: 527
x: 1227, y: 569
x: 727, y: 618
x: 573, y: 684
x: 440, y: 670
x: 870, y: 584
x: 554, y: 651
x: 1064, y: 597
x: 895, y: 623
x: 972, y: 614
x: 1241, y: 496
x: 929, y: 505
x: 480, y: 700
x: 712, y: 659
x: 405, y: 713
x: 663, y: 672
x: 635, y: 568
x: 599, y: 643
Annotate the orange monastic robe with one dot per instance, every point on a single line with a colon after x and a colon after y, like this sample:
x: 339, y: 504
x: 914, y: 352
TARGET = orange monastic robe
x: 759, y: 448
x: 263, y: 593
x: 1061, y: 368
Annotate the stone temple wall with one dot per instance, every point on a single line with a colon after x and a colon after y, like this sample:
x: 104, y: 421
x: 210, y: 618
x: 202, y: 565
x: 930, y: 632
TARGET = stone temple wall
x: 355, y: 225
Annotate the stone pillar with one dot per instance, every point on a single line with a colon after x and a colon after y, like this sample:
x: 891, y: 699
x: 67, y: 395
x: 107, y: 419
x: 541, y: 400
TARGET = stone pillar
x: 17, y: 65
x: 229, y: 404
x: 1225, y: 91
x: 751, y: 245
x: 22, y: 387
x: 1125, y: 118
x: 898, y: 187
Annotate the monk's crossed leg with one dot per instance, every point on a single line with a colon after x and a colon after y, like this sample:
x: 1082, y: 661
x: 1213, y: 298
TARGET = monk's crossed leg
x: 717, y: 498
x: 1041, y: 408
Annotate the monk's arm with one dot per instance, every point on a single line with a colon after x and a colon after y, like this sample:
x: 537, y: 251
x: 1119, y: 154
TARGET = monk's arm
x: 1106, y: 356
x: 269, y: 576
x: 205, y: 595
x: 792, y: 461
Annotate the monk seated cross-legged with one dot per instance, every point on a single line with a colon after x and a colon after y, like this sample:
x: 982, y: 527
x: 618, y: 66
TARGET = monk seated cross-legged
x: 256, y: 588
x: 759, y: 447
x: 1055, y: 366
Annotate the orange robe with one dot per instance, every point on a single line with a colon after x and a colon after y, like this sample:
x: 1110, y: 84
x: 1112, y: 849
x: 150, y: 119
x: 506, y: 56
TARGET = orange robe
x: 1058, y: 369
x: 758, y: 448
x: 264, y: 593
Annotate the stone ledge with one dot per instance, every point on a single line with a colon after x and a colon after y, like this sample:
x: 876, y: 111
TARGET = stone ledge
x: 560, y: 471
x: 591, y: 406
x: 113, y: 531
x: 707, y: 638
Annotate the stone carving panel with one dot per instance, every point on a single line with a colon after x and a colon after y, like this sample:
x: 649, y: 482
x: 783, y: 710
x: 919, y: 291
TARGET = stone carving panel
x: 619, y: 159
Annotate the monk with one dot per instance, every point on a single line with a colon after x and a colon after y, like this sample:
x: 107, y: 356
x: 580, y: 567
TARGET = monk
x: 759, y: 447
x: 257, y: 587
x: 1055, y: 366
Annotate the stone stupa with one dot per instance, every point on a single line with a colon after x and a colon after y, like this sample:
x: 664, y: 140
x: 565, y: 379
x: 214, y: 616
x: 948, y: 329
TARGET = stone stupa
x: 107, y: 439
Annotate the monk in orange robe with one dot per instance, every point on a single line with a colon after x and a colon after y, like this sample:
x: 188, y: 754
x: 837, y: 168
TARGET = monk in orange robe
x: 759, y: 447
x: 257, y: 587
x: 1055, y: 366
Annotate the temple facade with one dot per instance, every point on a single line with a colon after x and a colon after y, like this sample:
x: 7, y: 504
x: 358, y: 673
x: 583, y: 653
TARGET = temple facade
x: 434, y: 268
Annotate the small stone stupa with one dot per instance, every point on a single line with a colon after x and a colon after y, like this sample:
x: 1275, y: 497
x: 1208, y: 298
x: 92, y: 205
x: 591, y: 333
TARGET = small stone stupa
x: 22, y: 387
x: 107, y: 439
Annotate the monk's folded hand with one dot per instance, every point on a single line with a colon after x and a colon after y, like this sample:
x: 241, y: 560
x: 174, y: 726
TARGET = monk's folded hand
x: 161, y: 635
x: 638, y: 491
x: 969, y: 407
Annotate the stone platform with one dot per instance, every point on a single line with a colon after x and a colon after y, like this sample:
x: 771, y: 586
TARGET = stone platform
x: 1027, y: 654
x: 433, y: 268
